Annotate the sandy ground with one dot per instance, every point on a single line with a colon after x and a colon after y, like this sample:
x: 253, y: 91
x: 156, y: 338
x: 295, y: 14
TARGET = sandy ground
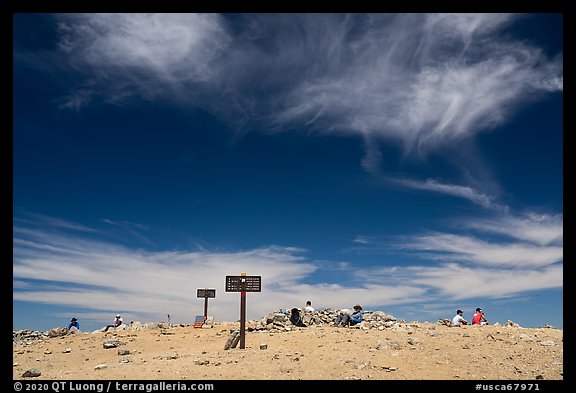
x: 414, y: 351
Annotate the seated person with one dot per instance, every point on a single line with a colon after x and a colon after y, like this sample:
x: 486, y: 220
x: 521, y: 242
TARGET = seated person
x: 478, y: 318
x: 459, y: 319
x: 117, y: 322
x: 74, y: 323
x: 349, y: 319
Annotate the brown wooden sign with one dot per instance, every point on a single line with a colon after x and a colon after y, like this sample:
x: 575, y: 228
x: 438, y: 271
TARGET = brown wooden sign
x: 243, y: 284
x: 206, y: 293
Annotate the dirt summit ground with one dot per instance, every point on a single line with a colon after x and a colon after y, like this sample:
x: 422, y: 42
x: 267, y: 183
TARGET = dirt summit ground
x: 409, y: 351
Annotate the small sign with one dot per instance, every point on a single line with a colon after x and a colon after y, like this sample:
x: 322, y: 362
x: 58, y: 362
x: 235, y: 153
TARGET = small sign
x: 199, y: 321
x: 206, y: 293
x: 209, y: 322
x: 243, y: 284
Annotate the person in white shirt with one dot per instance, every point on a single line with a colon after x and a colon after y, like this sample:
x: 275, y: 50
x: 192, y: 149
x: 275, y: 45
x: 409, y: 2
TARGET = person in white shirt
x: 117, y: 322
x: 308, y: 306
x: 459, y: 319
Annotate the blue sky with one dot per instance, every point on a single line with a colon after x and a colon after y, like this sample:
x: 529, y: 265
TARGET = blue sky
x: 411, y: 163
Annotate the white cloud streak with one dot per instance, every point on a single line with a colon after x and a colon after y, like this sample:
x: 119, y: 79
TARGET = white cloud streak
x: 525, y: 253
x: 66, y: 269
x: 455, y: 190
x: 528, y: 241
x: 540, y: 229
x: 470, y: 249
x: 456, y: 282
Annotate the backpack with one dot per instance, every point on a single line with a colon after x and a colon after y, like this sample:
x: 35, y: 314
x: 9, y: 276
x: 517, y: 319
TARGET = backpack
x: 296, y: 317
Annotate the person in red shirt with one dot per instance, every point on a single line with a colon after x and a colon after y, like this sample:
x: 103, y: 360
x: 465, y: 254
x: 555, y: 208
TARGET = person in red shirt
x: 478, y: 318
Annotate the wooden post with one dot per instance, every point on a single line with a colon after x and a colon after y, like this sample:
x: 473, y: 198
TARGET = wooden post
x: 206, y: 304
x: 243, y: 313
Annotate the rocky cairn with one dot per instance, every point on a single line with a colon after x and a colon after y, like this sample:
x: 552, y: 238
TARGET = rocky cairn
x: 280, y: 320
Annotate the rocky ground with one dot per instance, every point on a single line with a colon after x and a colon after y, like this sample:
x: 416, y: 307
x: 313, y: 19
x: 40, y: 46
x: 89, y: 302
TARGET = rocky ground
x: 395, y: 351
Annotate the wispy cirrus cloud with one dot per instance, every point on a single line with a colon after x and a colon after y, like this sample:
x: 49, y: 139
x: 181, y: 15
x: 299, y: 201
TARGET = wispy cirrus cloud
x: 422, y: 79
x: 66, y: 267
x: 444, y: 246
x: 536, y: 228
x: 465, y: 192
x: 100, y: 277
x: 454, y: 281
x: 524, y: 241
x: 501, y: 257
x: 147, y: 56
x: 424, y: 82
x: 523, y: 253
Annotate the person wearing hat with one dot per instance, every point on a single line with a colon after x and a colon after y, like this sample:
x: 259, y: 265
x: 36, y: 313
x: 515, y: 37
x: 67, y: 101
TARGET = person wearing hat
x: 478, y: 318
x: 459, y: 319
x: 117, y: 322
x: 74, y: 323
x: 349, y: 319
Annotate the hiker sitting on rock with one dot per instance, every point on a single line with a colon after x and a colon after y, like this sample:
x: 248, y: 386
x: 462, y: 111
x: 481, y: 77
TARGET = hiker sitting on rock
x: 117, y: 322
x: 459, y: 319
x: 478, y: 318
x: 74, y: 323
x: 345, y: 318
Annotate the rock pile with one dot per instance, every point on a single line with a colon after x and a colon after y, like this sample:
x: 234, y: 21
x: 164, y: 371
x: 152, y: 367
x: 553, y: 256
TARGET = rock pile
x: 280, y: 320
x: 27, y: 336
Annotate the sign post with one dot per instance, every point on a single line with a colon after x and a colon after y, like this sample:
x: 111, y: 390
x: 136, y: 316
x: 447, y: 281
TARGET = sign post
x: 243, y: 284
x: 243, y: 311
x: 206, y: 293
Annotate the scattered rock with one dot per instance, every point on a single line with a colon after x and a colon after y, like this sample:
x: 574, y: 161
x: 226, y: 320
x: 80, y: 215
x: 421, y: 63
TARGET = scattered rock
x: 388, y: 344
x: 108, y: 344
x: 57, y: 332
x: 232, y: 340
x: 31, y: 373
